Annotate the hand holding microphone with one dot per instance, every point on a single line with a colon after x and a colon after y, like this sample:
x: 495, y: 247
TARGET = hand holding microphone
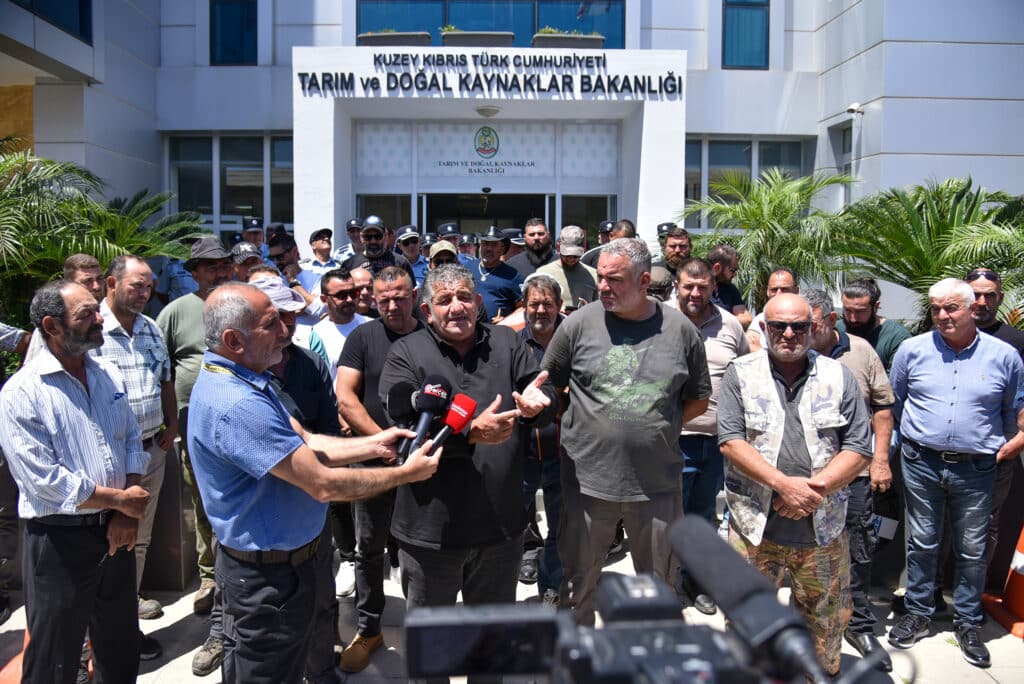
x: 459, y: 415
x: 431, y: 401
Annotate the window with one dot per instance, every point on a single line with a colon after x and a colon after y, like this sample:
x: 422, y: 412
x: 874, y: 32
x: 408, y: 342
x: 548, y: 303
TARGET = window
x: 395, y: 210
x: 785, y: 156
x: 232, y: 32
x: 522, y: 17
x: 745, y: 34
x: 192, y: 174
x: 72, y: 16
x: 587, y: 212
x: 241, y: 179
x: 692, y: 186
x: 728, y: 156
x: 281, y: 183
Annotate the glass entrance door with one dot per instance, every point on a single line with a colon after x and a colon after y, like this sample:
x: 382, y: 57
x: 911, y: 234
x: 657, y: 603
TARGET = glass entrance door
x: 474, y: 212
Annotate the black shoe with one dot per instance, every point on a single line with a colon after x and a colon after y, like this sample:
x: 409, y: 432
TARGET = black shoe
x: 704, y: 604
x: 969, y: 641
x: 908, y: 630
x: 149, y: 648
x: 528, y: 571
x: 867, y: 644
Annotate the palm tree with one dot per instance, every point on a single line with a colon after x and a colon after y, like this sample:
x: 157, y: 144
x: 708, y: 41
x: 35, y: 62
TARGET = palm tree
x: 916, y: 236
x: 771, y: 222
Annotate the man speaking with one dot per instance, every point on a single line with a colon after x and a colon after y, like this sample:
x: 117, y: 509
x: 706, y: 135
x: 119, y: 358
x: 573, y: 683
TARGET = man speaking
x: 268, y: 482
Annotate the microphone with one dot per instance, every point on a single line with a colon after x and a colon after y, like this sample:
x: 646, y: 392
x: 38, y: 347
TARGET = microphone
x: 432, y: 400
x: 459, y: 415
x: 399, y: 406
x: 747, y: 598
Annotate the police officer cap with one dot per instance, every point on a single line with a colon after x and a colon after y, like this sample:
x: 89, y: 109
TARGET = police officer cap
x: 663, y: 228
x: 468, y: 239
x: 275, y: 228
x: 252, y: 224
x: 493, y: 234
x: 515, y: 236
x: 446, y: 229
x: 373, y: 223
x: 407, y: 232
x: 605, y: 226
x: 428, y: 239
x: 320, y: 234
x: 354, y: 224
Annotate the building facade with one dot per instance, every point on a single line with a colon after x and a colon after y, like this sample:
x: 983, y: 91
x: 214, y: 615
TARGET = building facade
x: 224, y: 102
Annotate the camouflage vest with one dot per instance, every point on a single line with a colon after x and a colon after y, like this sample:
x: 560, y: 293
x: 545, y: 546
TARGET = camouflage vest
x: 764, y: 415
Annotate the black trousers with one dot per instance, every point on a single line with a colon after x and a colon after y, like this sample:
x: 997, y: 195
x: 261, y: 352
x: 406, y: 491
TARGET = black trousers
x: 372, y: 522
x: 70, y: 584
x: 268, y: 619
x: 8, y: 527
x: 321, y: 659
x: 863, y: 542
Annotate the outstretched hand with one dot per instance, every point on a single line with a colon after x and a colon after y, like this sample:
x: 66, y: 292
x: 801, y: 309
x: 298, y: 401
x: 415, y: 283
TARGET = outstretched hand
x: 532, y: 401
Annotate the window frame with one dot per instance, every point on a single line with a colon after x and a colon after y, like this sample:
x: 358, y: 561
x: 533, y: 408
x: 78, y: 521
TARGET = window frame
x: 767, y: 5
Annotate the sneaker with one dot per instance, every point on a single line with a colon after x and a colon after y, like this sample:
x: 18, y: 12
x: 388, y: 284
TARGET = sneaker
x: 969, y: 641
x: 208, y: 657
x: 550, y: 598
x: 345, y: 580
x: 908, y: 630
x: 704, y: 604
x: 202, y: 603
x: 150, y: 609
x: 149, y: 648
x: 356, y: 655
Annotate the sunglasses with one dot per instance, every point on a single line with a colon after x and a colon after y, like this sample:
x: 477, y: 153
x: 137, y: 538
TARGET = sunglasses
x: 798, y: 327
x: 410, y: 241
x: 374, y: 237
x: 342, y: 295
x: 979, y: 273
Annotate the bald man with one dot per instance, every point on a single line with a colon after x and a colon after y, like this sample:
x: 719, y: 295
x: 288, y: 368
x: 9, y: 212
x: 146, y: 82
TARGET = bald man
x: 785, y: 482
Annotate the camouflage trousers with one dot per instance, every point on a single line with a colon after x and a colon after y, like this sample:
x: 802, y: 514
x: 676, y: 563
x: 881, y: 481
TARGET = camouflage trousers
x: 820, y: 580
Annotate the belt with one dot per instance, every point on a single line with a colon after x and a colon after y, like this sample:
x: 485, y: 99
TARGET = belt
x: 945, y: 456
x: 87, y: 520
x: 295, y: 556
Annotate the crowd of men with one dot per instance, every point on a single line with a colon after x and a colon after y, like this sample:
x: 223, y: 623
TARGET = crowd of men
x: 628, y: 390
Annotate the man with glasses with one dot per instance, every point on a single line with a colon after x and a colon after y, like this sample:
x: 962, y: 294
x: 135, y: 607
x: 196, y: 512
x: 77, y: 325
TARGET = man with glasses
x: 959, y: 395
x: 725, y: 262
x: 339, y: 292
x: 861, y: 360
x: 374, y: 255
x: 321, y: 262
x: 408, y: 239
x: 785, y: 482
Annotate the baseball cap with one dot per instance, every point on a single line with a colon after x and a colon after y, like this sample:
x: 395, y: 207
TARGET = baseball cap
x: 446, y: 229
x: 252, y: 224
x: 283, y: 298
x: 442, y: 246
x: 605, y: 226
x: 372, y: 223
x: 571, y: 240
x: 320, y: 234
x: 406, y: 232
x: 663, y: 228
x: 244, y: 250
x: 354, y: 224
x: 468, y: 239
x: 661, y: 278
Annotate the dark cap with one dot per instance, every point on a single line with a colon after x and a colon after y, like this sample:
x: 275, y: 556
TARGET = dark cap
x: 493, y: 234
x: 245, y: 250
x: 663, y: 228
x: 252, y: 224
x: 515, y: 236
x: 373, y: 223
x: 235, y: 238
x: 605, y: 226
x: 354, y: 224
x: 320, y: 234
x: 208, y: 247
x: 275, y: 228
x: 468, y: 239
x: 428, y: 239
x: 446, y: 229
x: 406, y: 232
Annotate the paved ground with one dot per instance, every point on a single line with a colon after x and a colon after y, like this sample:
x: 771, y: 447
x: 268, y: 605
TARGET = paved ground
x: 937, y: 657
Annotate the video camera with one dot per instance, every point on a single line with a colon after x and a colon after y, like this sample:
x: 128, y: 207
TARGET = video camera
x: 642, y: 639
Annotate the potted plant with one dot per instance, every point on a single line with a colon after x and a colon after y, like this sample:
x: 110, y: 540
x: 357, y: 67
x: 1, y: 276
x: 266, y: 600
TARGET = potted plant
x: 390, y: 37
x: 452, y: 36
x: 550, y: 37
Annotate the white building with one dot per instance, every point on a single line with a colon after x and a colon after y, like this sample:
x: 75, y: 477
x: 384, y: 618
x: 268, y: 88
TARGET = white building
x: 207, y: 98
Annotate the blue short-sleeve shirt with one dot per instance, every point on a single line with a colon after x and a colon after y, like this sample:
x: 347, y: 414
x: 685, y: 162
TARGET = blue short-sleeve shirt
x: 237, y: 431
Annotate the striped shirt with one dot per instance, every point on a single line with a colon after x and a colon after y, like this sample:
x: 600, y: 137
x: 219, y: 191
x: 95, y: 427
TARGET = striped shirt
x: 143, y: 361
x: 61, y: 441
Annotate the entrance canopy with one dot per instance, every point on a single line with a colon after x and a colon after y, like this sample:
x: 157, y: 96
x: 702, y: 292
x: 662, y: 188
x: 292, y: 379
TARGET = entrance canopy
x: 410, y: 121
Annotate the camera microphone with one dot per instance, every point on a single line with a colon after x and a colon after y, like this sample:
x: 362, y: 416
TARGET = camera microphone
x: 747, y: 598
x: 432, y: 400
x: 459, y: 415
x: 399, y: 406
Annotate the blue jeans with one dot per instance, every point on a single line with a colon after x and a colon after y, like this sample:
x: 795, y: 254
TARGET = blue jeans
x: 702, y: 475
x: 545, y: 475
x: 930, y: 485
